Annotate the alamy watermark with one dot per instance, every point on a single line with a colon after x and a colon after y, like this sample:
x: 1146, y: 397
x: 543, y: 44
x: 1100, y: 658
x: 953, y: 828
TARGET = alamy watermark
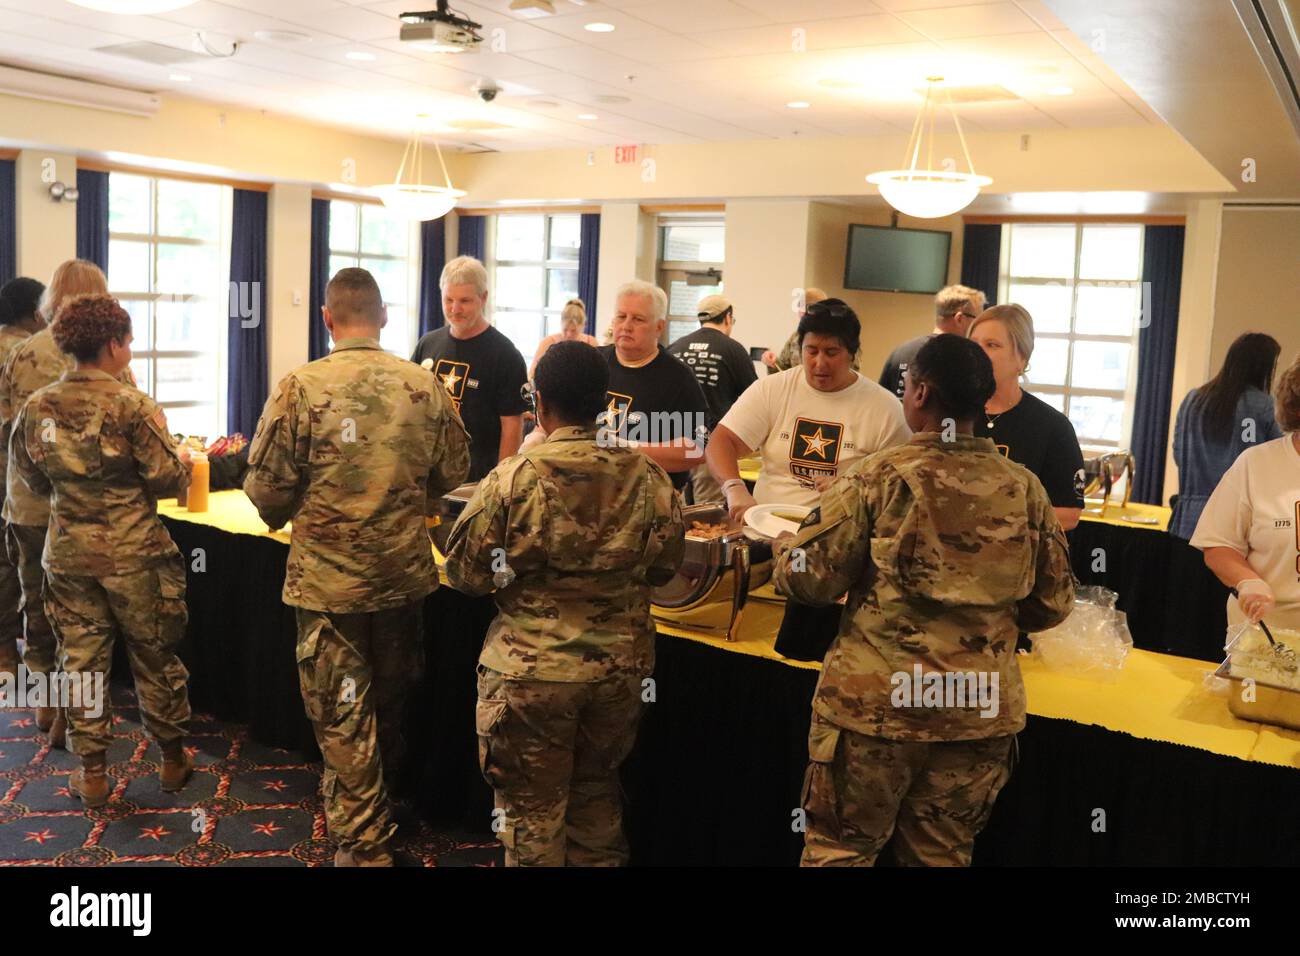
x: 951, y: 690
x: 26, y: 689
x: 619, y: 427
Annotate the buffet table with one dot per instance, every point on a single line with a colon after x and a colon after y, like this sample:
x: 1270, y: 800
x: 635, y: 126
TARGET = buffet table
x: 720, y: 756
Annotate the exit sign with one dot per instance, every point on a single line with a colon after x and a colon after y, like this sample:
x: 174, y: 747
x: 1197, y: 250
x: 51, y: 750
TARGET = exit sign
x: 624, y: 154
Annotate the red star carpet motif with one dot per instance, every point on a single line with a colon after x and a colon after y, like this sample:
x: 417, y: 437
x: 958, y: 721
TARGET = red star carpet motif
x: 38, y: 837
x: 276, y: 785
x: 153, y: 833
x: 266, y: 829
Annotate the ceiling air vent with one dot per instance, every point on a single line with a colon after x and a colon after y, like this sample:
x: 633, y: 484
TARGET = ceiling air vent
x: 1272, y: 26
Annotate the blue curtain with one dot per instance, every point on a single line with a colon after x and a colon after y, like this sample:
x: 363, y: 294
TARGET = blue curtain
x: 8, y: 220
x: 472, y: 239
x: 246, y: 381
x: 92, y: 217
x: 1162, y: 273
x: 433, y: 256
x: 980, y: 249
x: 588, y: 266
x: 318, y: 337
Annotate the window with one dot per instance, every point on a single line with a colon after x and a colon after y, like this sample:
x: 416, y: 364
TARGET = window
x: 1081, y: 283
x: 368, y: 236
x: 534, y: 265
x: 691, y: 257
x: 169, y: 265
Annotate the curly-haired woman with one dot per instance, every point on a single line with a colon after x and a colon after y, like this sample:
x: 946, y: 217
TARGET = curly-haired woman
x: 100, y: 450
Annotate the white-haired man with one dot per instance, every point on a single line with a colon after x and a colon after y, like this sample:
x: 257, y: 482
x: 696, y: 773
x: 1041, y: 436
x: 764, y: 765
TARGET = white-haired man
x: 654, y: 400
x: 481, y: 369
x: 955, y: 307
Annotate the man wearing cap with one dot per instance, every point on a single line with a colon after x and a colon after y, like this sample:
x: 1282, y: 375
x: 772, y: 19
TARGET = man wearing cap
x: 723, y: 368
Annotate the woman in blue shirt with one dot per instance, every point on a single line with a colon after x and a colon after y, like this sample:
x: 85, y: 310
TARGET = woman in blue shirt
x: 1221, y: 419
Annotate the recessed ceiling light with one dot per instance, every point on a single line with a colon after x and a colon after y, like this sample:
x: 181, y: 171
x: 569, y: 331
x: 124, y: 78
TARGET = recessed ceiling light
x: 281, y: 36
x: 360, y: 55
x: 587, y: 116
x: 599, y: 27
x: 1060, y: 90
x: 798, y: 105
x: 179, y: 77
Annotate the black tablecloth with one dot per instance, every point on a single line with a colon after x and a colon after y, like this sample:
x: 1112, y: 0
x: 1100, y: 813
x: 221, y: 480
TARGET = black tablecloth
x: 1174, y: 604
x: 716, y: 772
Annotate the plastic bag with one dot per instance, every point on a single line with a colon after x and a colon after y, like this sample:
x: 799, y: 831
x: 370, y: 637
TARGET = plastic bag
x: 1093, y: 642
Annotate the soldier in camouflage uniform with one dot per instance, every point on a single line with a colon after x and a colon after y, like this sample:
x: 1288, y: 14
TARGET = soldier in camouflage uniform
x: 946, y: 550
x: 100, y: 451
x: 19, y: 318
x: 571, y: 534
x: 355, y: 448
x: 32, y: 364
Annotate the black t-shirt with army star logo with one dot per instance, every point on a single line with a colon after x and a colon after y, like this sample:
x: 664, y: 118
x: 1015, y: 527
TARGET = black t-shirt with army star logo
x: 656, y: 403
x: 483, y: 376
x: 1034, y: 434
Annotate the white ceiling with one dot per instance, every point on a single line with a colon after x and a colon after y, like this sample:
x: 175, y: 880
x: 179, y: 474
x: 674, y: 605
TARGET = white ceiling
x: 692, y: 70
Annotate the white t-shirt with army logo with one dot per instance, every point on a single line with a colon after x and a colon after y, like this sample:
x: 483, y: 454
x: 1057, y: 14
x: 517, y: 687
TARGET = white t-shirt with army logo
x: 1255, y: 510
x: 804, y: 434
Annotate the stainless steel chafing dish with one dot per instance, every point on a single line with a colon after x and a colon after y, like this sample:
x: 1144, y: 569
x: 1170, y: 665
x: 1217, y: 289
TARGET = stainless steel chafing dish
x: 715, y: 568
x: 449, y: 509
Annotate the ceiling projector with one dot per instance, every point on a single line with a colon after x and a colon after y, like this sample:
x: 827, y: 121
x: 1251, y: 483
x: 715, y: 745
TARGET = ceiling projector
x: 440, y: 31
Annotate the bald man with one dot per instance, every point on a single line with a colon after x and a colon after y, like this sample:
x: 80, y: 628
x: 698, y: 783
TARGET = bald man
x: 353, y: 448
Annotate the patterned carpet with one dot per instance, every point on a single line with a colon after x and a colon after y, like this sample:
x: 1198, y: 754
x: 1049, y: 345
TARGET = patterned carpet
x: 246, y: 805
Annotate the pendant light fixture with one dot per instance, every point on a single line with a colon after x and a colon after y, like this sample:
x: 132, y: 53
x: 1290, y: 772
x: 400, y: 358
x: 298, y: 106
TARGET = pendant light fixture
x: 413, y: 200
x: 929, y: 193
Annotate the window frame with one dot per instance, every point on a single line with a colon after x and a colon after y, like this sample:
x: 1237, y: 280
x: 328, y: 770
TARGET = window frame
x: 154, y: 239
x: 550, y: 315
x: 411, y: 261
x: 1127, y: 395
x: 665, y: 267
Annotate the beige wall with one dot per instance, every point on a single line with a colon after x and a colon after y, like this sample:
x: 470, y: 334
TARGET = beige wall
x: 767, y: 253
x: 1258, y: 279
x: 289, y: 273
x: 888, y: 318
x: 47, y: 230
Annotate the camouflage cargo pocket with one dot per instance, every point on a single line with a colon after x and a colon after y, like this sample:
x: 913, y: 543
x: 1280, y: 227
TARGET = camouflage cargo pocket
x: 305, y: 654
x: 818, y: 799
x: 490, y: 712
x: 173, y: 614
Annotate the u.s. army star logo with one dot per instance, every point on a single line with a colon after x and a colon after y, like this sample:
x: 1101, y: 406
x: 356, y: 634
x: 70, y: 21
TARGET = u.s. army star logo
x: 452, y: 375
x: 816, y: 443
x: 617, y: 405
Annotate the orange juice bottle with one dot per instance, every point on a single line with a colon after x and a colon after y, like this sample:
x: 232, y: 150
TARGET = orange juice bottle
x: 198, y: 496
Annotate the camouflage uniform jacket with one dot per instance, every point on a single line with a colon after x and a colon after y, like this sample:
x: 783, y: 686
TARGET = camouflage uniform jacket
x: 947, y: 550
x: 573, y: 536
x: 10, y: 338
x: 355, y: 447
x: 99, y: 451
x: 790, y: 354
x: 33, y: 364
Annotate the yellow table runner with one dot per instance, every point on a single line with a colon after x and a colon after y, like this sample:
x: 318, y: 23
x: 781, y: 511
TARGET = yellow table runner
x: 1156, y: 697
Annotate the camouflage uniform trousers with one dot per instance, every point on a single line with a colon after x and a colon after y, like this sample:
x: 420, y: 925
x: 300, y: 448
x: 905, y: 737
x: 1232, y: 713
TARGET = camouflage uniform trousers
x: 23, y: 547
x: 931, y: 798
x: 11, y: 621
x: 356, y: 672
x: 148, y: 609
x: 551, y: 752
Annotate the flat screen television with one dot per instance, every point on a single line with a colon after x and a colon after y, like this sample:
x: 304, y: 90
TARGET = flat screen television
x: 888, y: 259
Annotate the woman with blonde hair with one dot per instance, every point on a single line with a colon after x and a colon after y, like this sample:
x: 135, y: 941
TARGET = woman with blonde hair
x: 34, y: 363
x: 573, y: 319
x: 1024, y: 427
